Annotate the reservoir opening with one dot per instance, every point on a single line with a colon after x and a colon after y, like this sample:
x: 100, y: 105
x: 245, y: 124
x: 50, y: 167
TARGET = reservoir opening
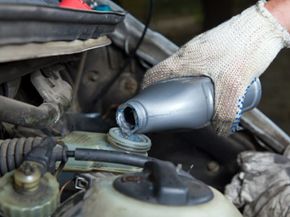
x: 129, y: 116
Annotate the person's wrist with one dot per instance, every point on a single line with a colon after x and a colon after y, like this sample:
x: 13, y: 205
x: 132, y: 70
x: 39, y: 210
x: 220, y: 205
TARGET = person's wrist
x: 280, y: 10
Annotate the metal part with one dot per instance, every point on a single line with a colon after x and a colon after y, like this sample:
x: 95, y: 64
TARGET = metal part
x: 56, y: 94
x: 175, y: 104
x: 42, y: 202
x: 81, y: 183
x: 213, y: 167
x: 155, y: 46
x: 27, y: 177
x: 266, y: 130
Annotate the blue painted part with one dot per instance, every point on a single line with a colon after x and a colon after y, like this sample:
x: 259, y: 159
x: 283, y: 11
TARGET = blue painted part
x: 103, y: 8
x: 133, y: 137
x: 236, y: 124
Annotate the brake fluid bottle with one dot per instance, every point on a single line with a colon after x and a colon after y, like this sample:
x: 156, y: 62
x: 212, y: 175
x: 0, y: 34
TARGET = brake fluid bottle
x: 176, y: 104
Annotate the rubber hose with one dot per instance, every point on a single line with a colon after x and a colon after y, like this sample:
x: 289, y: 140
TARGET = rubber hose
x: 109, y: 157
x: 13, y: 151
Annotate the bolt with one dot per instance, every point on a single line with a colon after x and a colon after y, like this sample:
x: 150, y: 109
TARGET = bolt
x: 130, y: 85
x: 93, y: 76
x: 213, y: 167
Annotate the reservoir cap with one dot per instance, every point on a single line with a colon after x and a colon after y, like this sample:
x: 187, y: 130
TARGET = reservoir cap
x: 159, y: 183
x: 137, y: 143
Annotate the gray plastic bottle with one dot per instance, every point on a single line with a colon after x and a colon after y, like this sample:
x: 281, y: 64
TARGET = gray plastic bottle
x: 175, y: 104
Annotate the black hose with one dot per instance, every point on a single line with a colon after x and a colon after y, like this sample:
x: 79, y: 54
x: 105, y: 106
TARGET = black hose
x: 82, y: 154
x: 109, y: 157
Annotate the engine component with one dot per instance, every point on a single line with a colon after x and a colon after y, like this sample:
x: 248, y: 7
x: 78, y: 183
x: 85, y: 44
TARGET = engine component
x: 176, y: 103
x: 157, y: 191
x: 82, y: 154
x: 45, y: 151
x: 27, y: 177
x: 56, y: 94
x: 25, y: 192
x: 113, y: 141
x: 13, y: 152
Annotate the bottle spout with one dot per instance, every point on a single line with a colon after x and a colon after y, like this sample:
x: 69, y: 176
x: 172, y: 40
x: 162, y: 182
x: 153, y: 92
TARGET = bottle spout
x: 131, y: 117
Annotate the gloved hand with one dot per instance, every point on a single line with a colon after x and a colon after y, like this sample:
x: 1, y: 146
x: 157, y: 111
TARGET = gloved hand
x: 263, y: 185
x: 232, y: 55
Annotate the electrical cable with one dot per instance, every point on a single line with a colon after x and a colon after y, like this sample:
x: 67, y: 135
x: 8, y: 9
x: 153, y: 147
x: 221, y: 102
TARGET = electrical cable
x: 107, y: 87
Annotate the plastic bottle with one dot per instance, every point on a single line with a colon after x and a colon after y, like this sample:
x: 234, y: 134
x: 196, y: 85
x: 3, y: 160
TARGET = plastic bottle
x: 176, y: 104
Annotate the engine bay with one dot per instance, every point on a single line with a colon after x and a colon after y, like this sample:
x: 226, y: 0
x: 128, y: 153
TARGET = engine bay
x: 64, y: 73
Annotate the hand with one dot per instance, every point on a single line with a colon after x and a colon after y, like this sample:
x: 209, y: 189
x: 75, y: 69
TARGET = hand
x: 232, y: 55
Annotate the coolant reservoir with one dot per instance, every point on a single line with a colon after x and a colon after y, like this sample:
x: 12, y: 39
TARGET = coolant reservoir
x: 158, y: 191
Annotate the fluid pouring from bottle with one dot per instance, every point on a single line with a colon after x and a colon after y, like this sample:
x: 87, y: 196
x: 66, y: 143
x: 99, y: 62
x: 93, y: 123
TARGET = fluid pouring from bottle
x: 184, y: 103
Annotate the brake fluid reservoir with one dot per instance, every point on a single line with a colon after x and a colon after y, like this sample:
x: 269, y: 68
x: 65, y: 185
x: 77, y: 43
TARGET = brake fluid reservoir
x: 158, y: 191
x: 114, y: 140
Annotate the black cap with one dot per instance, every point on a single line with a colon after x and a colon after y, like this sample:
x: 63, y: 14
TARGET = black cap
x: 160, y: 183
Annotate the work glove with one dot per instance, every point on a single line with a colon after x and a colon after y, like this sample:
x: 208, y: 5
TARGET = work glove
x: 263, y: 185
x: 232, y: 55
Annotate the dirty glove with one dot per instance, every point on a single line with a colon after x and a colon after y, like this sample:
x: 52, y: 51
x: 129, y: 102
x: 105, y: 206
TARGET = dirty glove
x: 232, y: 55
x: 263, y: 185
